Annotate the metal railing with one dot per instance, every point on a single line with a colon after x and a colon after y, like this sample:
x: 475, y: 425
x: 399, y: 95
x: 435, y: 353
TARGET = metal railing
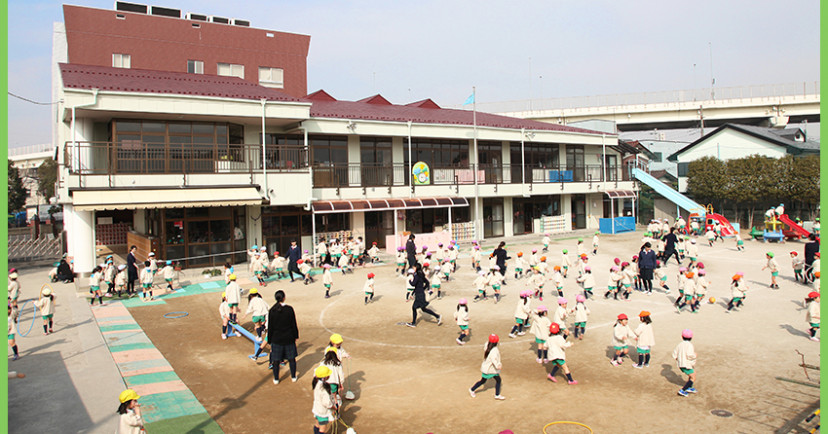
x: 138, y: 158
x: 333, y: 175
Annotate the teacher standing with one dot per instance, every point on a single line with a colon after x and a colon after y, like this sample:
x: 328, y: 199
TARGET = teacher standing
x: 646, y: 265
x: 132, y: 270
x: 282, y: 334
x: 411, y: 251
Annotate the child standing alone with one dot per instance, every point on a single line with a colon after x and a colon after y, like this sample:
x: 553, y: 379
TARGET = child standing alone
x: 46, y: 304
x: 773, y: 266
x: 368, y: 288
x: 685, y: 356
x: 645, y: 339
x: 461, y: 316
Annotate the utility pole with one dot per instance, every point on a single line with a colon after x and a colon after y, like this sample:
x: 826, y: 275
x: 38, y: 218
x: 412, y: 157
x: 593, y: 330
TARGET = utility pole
x: 701, y: 119
x: 712, y: 80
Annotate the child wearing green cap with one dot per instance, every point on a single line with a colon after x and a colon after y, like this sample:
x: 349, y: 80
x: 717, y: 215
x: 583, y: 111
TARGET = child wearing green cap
x: 565, y: 262
x: 581, y: 247
x: 595, y: 243
x: 773, y: 266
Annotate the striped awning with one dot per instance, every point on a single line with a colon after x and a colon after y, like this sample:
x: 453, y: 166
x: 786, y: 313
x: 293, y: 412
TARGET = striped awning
x: 336, y: 206
x: 96, y: 200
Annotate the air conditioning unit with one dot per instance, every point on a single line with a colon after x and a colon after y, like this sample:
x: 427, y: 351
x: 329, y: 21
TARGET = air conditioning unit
x: 130, y: 7
x: 195, y: 17
x: 219, y: 20
x: 242, y: 23
x: 165, y: 12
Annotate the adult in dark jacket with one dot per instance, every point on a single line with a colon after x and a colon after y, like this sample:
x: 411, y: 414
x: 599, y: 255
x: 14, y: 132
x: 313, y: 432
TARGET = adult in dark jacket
x: 132, y: 269
x: 670, y: 241
x: 500, y: 258
x: 646, y: 265
x: 811, y: 249
x: 282, y: 334
x: 294, y: 254
x: 421, y: 285
x: 411, y: 251
x: 64, y: 272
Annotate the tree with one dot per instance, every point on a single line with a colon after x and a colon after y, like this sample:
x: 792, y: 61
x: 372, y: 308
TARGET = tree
x: 46, y: 179
x: 17, y: 193
x: 707, y: 180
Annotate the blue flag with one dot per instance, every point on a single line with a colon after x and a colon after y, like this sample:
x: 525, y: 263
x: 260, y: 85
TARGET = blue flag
x: 469, y: 100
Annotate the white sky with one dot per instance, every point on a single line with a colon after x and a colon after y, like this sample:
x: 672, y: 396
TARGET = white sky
x: 412, y: 50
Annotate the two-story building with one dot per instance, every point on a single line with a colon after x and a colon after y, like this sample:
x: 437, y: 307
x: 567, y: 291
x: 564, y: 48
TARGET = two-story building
x: 204, y: 162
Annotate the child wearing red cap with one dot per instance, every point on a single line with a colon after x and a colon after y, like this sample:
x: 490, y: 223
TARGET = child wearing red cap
x: 522, y: 312
x: 621, y: 332
x: 540, y: 328
x: 812, y: 316
x: 737, y: 291
x: 556, y: 345
x: 645, y: 339
x: 798, y: 265
x: 685, y: 356
x: 490, y: 368
x: 373, y: 252
x: 368, y: 288
x: 773, y: 266
x: 461, y: 316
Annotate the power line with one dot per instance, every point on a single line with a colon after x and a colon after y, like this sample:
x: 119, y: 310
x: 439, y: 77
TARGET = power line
x: 34, y: 102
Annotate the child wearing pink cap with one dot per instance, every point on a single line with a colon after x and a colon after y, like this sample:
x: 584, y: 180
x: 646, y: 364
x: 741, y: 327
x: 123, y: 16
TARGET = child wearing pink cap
x: 480, y: 283
x: 587, y: 281
x: 400, y: 261
x: 681, y: 281
x: 701, y: 287
x: 560, y: 315
x: 522, y: 312
x: 635, y: 273
x: 540, y: 328
x: 476, y: 258
x: 581, y: 312
x: 534, y: 260
x: 327, y: 280
x: 685, y: 356
x: 612, y: 283
x: 461, y: 316
x: 627, y: 277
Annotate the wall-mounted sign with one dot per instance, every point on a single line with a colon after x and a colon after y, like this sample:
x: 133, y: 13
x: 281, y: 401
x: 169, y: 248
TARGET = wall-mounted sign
x: 422, y: 174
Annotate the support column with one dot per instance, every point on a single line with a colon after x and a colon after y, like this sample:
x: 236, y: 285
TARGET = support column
x: 358, y: 225
x: 508, y: 217
x: 139, y: 221
x: 566, y: 210
x: 354, y: 158
x: 81, y: 240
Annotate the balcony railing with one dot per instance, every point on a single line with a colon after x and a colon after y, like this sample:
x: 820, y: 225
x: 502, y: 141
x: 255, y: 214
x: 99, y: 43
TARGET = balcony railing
x: 139, y: 158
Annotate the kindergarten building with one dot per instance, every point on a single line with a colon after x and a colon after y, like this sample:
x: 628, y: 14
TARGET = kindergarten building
x: 167, y: 118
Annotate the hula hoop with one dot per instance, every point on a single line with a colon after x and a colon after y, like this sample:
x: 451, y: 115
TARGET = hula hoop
x: 34, y: 318
x: 566, y: 422
x: 175, y: 315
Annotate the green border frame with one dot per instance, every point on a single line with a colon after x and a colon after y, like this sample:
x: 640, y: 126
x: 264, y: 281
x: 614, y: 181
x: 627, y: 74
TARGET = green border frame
x: 4, y: 145
x: 823, y: 159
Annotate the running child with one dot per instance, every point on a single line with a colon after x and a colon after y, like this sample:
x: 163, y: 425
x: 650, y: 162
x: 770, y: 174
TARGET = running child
x: 452, y: 255
x: 685, y: 356
x: 621, y: 332
x: 689, y: 293
x: 682, y: 279
x: 14, y: 289
x: 46, y: 305
x: 344, y: 263
x: 581, y: 313
x: 546, y: 241
x: 581, y: 247
x: 711, y: 237
x: 560, y: 315
x: 522, y: 312
x: 305, y: 268
x: 480, y: 283
x: 400, y: 261
x: 595, y: 243
x: 565, y: 262
x: 740, y: 243
x: 627, y: 278
x: 169, y: 275
x: 130, y: 420
x: 645, y: 339
x: 476, y: 258
x: 587, y: 281
x: 259, y: 309
x: 737, y: 291
x: 233, y: 295
x: 327, y: 279
x: 146, y: 277
x: 258, y: 269
x: 540, y: 328
x: 773, y: 266
x: 613, y: 282
x: 681, y: 246
x: 520, y: 265
x: 556, y: 345
x: 409, y: 284
x: 461, y: 316
x: 368, y: 288
x: 373, y: 252
x: 534, y: 260
x: 490, y: 368
x: 557, y: 277
x: 12, y: 331
x: 278, y: 265
x: 436, y: 282
x: 693, y: 251
x: 701, y: 287
x: 661, y: 275
x: 798, y: 265
x: 812, y: 315
x: 95, y: 285
x: 536, y: 282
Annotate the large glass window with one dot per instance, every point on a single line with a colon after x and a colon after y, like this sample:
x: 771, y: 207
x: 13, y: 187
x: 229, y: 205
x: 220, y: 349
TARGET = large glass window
x: 202, y: 235
x: 575, y: 162
x: 439, y: 153
x: 377, y: 168
x: 493, y: 217
x: 539, y: 157
x: 330, y: 160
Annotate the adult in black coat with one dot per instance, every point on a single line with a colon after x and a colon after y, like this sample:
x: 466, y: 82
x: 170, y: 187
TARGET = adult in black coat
x: 811, y: 249
x: 670, y: 241
x: 411, y: 251
x: 294, y: 254
x: 282, y: 334
x: 64, y: 272
x: 501, y: 257
x: 646, y: 265
x: 132, y: 269
x: 421, y: 285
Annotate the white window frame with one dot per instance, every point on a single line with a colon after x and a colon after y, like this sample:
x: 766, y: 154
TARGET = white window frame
x: 121, y: 60
x: 267, y: 74
x: 231, y: 70
x: 198, y: 66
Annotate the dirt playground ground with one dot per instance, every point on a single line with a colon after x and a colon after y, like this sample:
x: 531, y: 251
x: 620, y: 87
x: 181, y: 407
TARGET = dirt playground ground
x: 416, y: 380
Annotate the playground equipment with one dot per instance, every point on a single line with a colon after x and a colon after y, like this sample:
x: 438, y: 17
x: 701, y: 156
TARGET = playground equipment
x: 257, y: 343
x: 710, y: 219
x: 773, y: 230
x: 795, y: 231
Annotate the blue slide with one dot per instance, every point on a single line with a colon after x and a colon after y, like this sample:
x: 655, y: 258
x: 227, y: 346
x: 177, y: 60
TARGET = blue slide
x: 665, y: 190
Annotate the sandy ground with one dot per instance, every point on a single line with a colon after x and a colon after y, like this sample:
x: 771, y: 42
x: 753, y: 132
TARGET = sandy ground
x: 417, y: 379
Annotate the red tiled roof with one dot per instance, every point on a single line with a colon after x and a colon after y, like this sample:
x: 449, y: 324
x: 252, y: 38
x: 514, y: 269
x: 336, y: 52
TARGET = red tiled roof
x: 164, y: 82
x: 426, y: 103
x: 376, y: 99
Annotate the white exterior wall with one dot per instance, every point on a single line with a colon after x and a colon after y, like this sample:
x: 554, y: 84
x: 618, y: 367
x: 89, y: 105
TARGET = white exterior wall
x: 81, y: 238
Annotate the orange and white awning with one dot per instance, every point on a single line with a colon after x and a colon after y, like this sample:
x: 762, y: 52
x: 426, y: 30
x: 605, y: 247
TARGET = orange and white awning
x: 337, y: 206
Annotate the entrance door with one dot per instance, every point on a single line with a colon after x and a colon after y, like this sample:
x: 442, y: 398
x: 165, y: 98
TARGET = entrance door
x: 578, y: 211
x: 378, y: 224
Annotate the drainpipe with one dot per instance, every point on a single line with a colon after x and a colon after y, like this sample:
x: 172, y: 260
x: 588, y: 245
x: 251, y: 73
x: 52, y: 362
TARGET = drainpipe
x: 75, y: 145
x: 410, y: 175
x: 522, y: 162
x: 264, y: 162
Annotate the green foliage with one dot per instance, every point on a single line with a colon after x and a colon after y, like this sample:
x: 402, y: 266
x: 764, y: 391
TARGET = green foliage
x: 46, y: 178
x: 707, y: 180
x: 17, y: 193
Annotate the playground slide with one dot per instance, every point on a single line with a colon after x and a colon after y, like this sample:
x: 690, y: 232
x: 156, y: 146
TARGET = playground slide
x: 727, y: 229
x: 667, y: 192
x: 794, y: 227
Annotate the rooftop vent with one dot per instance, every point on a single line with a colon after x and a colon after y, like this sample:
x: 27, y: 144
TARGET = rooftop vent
x: 220, y: 20
x: 131, y: 7
x: 166, y: 12
x: 195, y: 17
x: 243, y: 23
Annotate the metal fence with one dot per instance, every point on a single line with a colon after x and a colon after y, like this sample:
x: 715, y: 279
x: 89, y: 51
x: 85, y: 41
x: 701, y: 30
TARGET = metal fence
x: 29, y: 249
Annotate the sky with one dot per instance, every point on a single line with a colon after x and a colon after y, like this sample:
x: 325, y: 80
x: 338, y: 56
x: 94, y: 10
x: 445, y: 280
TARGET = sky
x: 411, y: 50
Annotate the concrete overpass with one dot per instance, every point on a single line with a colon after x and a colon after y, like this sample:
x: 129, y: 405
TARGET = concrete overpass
x: 768, y: 105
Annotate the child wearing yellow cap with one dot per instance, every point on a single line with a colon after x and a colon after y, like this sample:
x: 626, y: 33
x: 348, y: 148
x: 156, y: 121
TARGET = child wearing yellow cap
x: 337, y: 378
x: 130, y: 421
x: 233, y: 295
x: 224, y: 313
x: 259, y: 309
x: 46, y: 304
x: 773, y: 266
x: 645, y: 339
x: 323, y: 402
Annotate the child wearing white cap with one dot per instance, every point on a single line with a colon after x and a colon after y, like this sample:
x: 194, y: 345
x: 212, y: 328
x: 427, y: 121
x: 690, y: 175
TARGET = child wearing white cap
x: 169, y: 274
x: 461, y: 316
x: 120, y: 280
x: 480, y: 283
x: 46, y: 304
x: 436, y: 282
x: 14, y: 289
x: 546, y: 241
x: 693, y: 251
x: 153, y: 263
x: 146, y: 278
x: 327, y: 279
x: 595, y: 243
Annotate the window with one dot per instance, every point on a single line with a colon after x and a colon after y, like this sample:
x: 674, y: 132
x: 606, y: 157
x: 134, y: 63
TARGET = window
x: 271, y: 77
x: 683, y: 169
x: 657, y: 157
x: 195, y: 67
x: 231, y: 70
x: 121, y: 61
